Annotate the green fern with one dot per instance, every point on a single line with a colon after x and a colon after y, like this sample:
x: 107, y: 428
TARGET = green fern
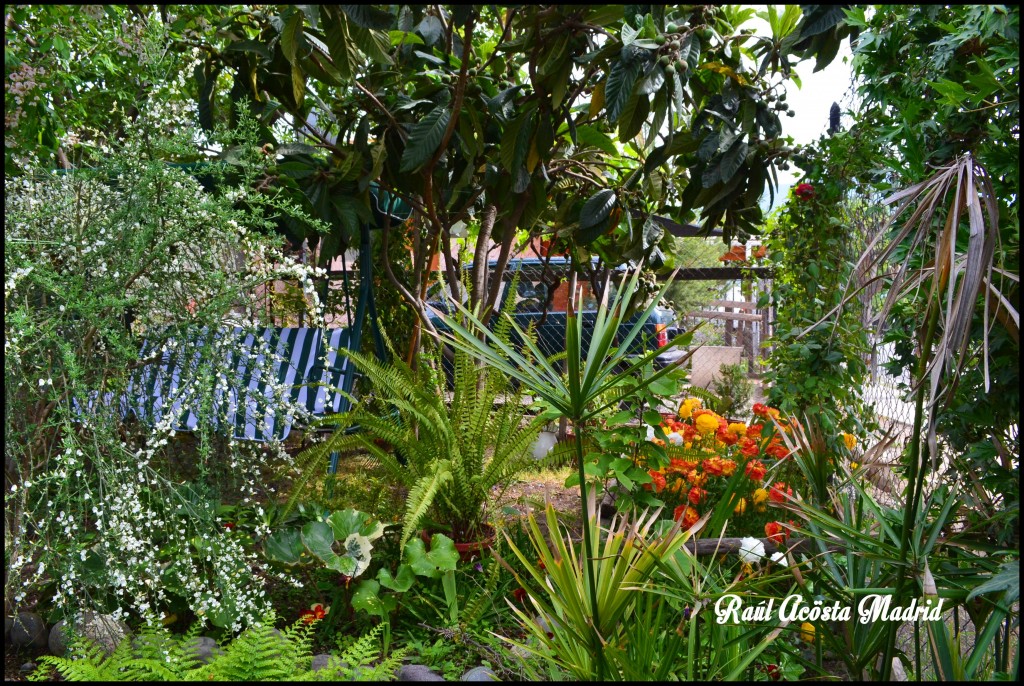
x: 709, y: 399
x: 260, y: 653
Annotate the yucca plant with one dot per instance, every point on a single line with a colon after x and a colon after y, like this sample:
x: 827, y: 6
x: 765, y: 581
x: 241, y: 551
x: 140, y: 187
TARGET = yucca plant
x: 448, y: 454
x: 592, y: 383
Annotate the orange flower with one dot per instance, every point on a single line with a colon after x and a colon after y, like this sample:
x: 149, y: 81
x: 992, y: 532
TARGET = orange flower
x: 687, y: 515
x: 748, y: 446
x: 775, y: 532
x: 696, y: 478
x: 756, y: 470
x: 680, y: 466
x: 777, y: 450
x: 760, y: 409
x: 727, y: 437
x: 754, y: 431
x: 697, y: 495
x: 779, y: 491
x: 315, y: 613
x: 659, y: 481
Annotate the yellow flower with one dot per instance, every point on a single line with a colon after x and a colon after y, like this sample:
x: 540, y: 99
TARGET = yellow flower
x: 741, y: 506
x: 854, y: 466
x: 850, y: 440
x: 759, y: 496
x: 688, y: 406
x: 707, y: 424
x: 737, y: 428
x: 807, y: 632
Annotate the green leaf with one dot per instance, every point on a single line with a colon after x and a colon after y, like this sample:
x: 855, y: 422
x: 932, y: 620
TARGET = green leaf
x: 366, y: 598
x: 733, y: 159
x: 425, y: 139
x: 619, y: 87
x: 620, y: 418
x: 597, y: 208
x: 951, y: 91
x: 1008, y: 579
x: 401, y: 582
x: 374, y: 44
x: 590, y: 135
x: 369, y: 17
x: 318, y: 537
x: 283, y: 546
x: 442, y: 556
x: 347, y: 522
x: 291, y: 36
x: 652, y: 417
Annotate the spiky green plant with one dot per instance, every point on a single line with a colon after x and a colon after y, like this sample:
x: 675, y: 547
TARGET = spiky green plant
x: 448, y: 454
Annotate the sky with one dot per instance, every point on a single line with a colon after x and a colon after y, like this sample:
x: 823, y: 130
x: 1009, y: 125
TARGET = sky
x: 812, y: 102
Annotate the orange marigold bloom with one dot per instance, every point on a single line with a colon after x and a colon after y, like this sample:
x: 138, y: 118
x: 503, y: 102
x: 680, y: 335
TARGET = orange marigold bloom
x: 713, y: 466
x: 756, y: 470
x: 659, y: 481
x: 777, y: 450
x: 760, y: 409
x: 696, y: 478
x: 727, y: 437
x: 775, y: 532
x: 687, y: 515
x: 778, y: 492
x: 748, y: 447
x: 697, y: 495
x: 754, y: 431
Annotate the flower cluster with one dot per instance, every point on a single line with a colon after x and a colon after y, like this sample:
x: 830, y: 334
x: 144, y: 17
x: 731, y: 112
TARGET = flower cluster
x: 804, y: 191
x: 705, y: 450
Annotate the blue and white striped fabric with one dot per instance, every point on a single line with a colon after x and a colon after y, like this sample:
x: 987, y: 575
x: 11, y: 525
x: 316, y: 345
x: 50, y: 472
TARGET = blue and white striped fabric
x: 260, y: 381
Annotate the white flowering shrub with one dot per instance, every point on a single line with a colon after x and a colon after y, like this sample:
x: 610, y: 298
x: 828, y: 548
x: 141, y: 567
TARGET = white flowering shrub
x: 97, y: 261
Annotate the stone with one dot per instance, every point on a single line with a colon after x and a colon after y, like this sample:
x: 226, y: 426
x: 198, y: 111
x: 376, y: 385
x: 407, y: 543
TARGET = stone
x: 204, y: 648
x: 542, y: 622
x: 417, y: 673
x: 101, y: 629
x: 480, y: 673
x: 320, y: 662
x: 28, y: 632
x: 27, y: 668
x: 8, y: 625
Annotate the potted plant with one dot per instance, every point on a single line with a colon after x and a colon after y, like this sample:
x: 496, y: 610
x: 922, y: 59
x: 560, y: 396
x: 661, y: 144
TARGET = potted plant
x: 448, y: 454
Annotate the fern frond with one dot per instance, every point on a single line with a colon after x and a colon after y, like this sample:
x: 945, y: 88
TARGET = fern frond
x: 420, y: 498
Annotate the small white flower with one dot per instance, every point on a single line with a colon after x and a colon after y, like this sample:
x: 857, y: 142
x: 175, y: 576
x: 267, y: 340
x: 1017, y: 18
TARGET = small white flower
x: 675, y: 439
x: 751, y: 550
x: 780, y: 558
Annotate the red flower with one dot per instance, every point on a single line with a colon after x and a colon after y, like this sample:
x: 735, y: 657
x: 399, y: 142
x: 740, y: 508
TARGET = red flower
x: 687, y: 515
x: 804, y: 191
x: 777, y: 450
x: 520, y: 595
x: 754, y: 431
x: 748, y: 447
x: 778, y: 492
x: 760, y: 409
x: 229, y: 525
x: 775, y: 532
x: 315, y: 613
x: 756, y: 470
x: 697, y: 495
x: 773, y: 672
x: 727, y: 437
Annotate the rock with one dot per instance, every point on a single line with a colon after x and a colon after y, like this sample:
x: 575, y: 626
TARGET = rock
x: 542, y: 622
x: 8, y: 624
x: 101, y: 629
x: 27, y: 668
x: 480, y: 673
x: 204, y: 648
x: 417, y: 673
x: 320, y: 662
x: 28, y: 632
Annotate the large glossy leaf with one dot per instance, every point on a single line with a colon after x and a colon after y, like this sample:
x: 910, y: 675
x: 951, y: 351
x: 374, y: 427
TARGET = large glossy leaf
x: 597, y: 208
x: 284, y: 546
x: 318, y: 537
x: 425, y: 139
x: 367, y: 598
x: 733, y: 159
x: 369, y: 17
x: 619, y: 87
